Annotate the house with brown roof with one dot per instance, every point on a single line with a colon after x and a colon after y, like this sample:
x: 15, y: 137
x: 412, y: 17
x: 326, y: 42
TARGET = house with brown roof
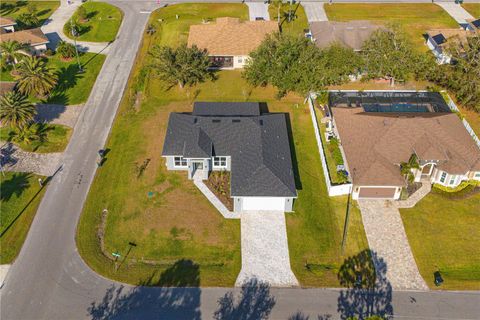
x: 379, y: 131
x: 7, y: 25
x: 230, y: 41
x: 35, y: 38
x: 439, y: 39
x: 351, y: 34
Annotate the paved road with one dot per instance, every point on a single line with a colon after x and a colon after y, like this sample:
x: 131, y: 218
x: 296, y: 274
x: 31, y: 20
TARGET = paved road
x: 50, y: 281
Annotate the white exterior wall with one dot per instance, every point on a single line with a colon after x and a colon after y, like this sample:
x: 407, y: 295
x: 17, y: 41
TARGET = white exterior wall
x: 239, y: 61
x: 457, y: 178
x: 263, y: 204
x: 442, y: 58
x: 39, y: 49
x: 9, y: 28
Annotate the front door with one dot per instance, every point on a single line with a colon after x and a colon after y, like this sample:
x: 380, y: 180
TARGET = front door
x: 427, y: 169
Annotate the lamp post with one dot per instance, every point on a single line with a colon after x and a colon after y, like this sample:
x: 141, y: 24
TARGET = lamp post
x: 74, y: 35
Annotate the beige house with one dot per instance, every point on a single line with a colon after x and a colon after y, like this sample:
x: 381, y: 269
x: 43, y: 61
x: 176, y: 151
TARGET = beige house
x: 35, y: 38
x: 351, y: 34
x: 377, y: 134
x: 229, y: 41
x: 7, y: 25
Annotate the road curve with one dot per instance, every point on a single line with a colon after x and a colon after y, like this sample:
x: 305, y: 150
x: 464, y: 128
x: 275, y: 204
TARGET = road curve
x: 49, y: 280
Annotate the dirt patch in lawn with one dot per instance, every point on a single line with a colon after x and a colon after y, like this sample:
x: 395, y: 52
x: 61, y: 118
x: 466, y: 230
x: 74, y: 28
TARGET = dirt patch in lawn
x: 219, y: 183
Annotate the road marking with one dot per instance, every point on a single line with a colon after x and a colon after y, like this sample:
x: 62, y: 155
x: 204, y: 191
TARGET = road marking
x: 145, y: 11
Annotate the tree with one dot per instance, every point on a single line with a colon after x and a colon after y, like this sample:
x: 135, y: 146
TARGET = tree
x: 82, y: 13
x: 182, y: 65
x: 278, y: 4
x: 35, y: 77
x: 295, y: 64
x: 32, y: 132
x: 15, y: 110
x: 12, y: 52
x: 28, y: 20
x: 65, y: 49
x: 389, y: 54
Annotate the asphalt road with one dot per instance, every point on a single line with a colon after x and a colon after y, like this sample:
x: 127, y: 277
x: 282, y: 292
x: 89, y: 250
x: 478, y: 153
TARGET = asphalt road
x: 50, y: 281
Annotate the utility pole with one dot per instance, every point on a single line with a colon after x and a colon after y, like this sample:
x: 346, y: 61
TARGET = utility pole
x: 74, y: 35
x: 347, y: 218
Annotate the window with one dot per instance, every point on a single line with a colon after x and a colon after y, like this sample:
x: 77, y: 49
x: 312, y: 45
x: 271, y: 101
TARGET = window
x: 452, y: 179
x: 240, y: 60
x: 443, y: 177
x: 180, y: 162
x: 477, y: 175
x: 220, y: 162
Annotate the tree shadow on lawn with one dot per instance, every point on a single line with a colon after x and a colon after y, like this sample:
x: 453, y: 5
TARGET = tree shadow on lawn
x: 67, y: 78
x: 179, y: 297
x: 16, y: 185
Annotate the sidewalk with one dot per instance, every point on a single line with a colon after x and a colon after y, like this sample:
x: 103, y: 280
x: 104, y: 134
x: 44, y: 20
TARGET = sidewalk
x: 53, y: 28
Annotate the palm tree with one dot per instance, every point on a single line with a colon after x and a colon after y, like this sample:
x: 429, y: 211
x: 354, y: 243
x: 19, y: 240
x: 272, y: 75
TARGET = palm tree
x: 12, y: 52
x: 35, y: 77
x: 15, y: 110
x: 65, y: 49
x: 32, y: 132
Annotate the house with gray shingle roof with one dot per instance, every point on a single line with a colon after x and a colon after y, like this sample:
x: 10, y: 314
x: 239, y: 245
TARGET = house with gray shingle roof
x: 237, y: 137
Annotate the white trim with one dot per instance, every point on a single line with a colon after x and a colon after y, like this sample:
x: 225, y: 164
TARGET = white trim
x: 181, y: 160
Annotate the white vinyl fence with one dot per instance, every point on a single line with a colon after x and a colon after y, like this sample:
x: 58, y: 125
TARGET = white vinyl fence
x: 333, y: 190
x: 467, y: 126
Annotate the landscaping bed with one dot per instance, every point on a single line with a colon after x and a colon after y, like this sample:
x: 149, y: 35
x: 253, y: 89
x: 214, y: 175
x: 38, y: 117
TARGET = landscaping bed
x: 54, y: 138
x: 219, y: 183
x: 443, y: 234
x: 100, y: 24
x: 21, y: 194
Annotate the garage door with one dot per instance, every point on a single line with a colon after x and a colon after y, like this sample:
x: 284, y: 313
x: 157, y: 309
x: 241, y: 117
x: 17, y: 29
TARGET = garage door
x: 379, y: 193
x: 263, y: 203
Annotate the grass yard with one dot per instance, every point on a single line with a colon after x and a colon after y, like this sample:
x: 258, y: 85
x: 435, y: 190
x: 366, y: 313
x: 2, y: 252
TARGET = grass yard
x: 20, y: 197
x: 295, y: 27
x: 443, y: 234
x: 333, y: 155
x: 102, y: 23
x: 14, y: 9
x: 176, y: 221
x: 473, y: 9
x: 57, y: 137
x: 416, y: 19
x: 73, y: 87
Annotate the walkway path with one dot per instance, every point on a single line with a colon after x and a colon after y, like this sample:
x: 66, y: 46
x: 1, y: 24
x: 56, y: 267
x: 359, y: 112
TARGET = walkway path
x: 53, y: 28
x: 265, y: 249
x: 386, y: 236
x: 315, y: 11
x: 15, y: 159
x: 58, y: 114
x: 258, y: 10
x: 416, y: 196
x: 456, y: 11
x: 227, y: 214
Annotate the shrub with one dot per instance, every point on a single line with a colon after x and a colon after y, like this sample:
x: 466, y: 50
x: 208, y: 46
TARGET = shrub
x: 66, y: 50
x: 82, y: 13
x: 49, y: 52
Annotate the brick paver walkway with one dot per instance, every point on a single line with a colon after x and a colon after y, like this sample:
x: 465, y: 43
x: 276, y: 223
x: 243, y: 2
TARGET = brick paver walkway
x: 15, y: 159
x: 386, y: 236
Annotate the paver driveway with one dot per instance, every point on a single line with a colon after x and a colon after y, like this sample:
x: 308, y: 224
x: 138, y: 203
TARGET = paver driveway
x: 386, y: 236
x: 265, y: 249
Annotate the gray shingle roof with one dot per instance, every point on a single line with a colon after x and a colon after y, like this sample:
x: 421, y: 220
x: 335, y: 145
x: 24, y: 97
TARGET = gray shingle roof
x: 257, y: 143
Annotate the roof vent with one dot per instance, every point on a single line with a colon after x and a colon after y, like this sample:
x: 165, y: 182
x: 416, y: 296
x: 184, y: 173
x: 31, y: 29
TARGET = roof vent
x: 216, y: 120
x: 194, y: 120
x: 261, y: 122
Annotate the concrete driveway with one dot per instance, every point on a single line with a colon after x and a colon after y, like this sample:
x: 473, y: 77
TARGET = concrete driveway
x: 456, y: 11
x: 265, y: 249
x: 258, y: 10
x: 315, y: 11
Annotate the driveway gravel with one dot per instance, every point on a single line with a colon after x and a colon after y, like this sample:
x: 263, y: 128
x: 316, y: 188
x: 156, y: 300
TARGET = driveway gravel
x: 265, y: 249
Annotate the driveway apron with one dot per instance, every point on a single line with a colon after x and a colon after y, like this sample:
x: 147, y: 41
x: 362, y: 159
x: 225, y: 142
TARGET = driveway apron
x: 258, y: 10
x: 456, y: 11
x: 265, y: 249
x: 315, y: 11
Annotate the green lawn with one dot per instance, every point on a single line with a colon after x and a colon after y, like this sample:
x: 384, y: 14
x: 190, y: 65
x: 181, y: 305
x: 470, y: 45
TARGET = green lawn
x: 443, y: 234
x: 57, y: 137
x: 72, y: 87
x: 13, y: 9
x: 416, y: 19
x: 20, y: 197
x: 296, y: 26
x: 167, y: 227
x: 473, y: 8
x: 102, y: 23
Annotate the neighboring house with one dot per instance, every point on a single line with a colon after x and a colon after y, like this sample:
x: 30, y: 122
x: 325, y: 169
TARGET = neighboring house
x: 378, y: 131
x: 35, y: 38
x: 473, y: 25
x: 6, y: 86
x: 230, y: 41
x: 236, y: 137
x: 351, y: 34
x: 439, y: 39
x: 7, y: 25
